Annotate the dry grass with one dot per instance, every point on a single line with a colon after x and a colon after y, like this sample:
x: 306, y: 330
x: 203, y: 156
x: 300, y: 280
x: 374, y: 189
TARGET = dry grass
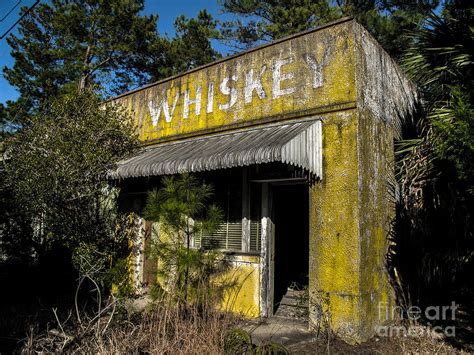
x: 162, y: 328
x: 167, y: 329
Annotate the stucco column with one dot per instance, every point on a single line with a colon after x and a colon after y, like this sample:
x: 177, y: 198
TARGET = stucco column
x: 349, y: 224
x: 266, y: 254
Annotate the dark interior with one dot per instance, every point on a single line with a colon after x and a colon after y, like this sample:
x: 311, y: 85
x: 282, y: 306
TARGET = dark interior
x: 291, y: 218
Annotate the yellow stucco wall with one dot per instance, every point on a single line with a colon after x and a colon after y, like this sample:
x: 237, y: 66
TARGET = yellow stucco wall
x: 351, y: 210
x: 334, y: 228
x: 377, y: 201
x: 244, y: 297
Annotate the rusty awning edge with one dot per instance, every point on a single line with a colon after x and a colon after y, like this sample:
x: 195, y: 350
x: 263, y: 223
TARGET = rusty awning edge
x: 296, y: 143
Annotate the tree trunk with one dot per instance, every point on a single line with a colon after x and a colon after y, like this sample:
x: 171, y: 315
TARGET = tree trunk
x: 84, y: 72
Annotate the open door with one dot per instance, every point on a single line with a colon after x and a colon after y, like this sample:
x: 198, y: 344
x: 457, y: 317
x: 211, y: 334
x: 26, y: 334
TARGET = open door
x: 290, y: 205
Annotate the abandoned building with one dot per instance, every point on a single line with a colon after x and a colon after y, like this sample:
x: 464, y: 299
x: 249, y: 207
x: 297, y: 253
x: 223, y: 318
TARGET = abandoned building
x: 297, y: 137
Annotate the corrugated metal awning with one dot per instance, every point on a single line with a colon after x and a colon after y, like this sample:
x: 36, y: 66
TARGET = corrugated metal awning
x: 297, y: 143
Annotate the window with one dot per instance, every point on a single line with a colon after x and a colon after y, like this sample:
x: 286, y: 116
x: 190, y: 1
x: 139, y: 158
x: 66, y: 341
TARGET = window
x: 228, y: 237
x: 228, y: 195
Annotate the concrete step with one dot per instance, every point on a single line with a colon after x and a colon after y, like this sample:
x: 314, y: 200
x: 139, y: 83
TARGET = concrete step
x: 294, y: 305
x: 281, y: 330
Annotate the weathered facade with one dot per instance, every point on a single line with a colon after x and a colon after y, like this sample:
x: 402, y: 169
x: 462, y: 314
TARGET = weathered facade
x: 298, y: 134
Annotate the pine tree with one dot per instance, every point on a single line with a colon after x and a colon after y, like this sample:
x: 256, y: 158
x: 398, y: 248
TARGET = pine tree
x: 189, y: 48
x: 66, y: 46
x: 3, y: 122
x: 262, y: 21
x: 183, y: 211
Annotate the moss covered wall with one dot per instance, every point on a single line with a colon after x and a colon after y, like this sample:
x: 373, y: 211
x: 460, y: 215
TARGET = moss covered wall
x: 334, y: 230
x: 352, y: 209
x: 377, y: 205
x: 350, y: 214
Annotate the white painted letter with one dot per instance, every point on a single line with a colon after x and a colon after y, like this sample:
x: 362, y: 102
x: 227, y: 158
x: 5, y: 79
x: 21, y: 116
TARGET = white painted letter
x: 317, y: 69
x: 278, y: 77
x: 155, y: 111
x: 210, y: 97
x: 226, y: 90
x: 252, y: 84
x: 196, y: 102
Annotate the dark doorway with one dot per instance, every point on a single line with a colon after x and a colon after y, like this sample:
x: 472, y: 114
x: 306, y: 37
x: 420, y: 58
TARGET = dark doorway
x: 291, y: 219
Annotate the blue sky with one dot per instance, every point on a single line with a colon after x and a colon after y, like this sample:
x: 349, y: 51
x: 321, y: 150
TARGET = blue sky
x: 167, y: 9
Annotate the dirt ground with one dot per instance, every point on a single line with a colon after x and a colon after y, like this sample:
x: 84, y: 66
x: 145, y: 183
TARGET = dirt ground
x: 294, y: 335
x: 376, y: 345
